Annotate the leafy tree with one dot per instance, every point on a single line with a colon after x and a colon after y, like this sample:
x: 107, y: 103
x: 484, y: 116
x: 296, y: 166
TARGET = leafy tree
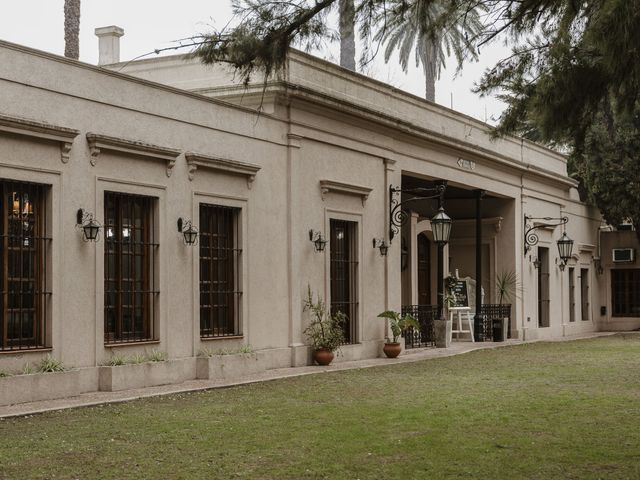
x: 571, y: 60
x: 268, y: 29
x: 571, y: 82
x: 72, y: 29
x: 607, y: 165
x: 408, y: 30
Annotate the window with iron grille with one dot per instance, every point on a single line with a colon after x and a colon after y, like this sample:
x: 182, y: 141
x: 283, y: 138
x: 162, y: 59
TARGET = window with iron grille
x: 543, y: 287
x: 23, y: 262
x: 584, y: 293
x: 572, y: 294
x: 344, y: 274
x: 220, y: 268
x: 129, y: 268
x: 625, y: 292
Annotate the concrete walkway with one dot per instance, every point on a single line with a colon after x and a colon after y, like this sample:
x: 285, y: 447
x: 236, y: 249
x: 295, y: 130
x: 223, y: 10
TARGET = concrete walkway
x: 99, y: 398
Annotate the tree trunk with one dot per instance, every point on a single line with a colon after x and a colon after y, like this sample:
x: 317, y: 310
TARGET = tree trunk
x: 347, y: 35
x: 431, y: 71
x: 72, y: 29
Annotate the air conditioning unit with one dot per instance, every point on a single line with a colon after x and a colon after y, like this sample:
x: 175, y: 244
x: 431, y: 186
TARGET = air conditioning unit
x: 623, y: 255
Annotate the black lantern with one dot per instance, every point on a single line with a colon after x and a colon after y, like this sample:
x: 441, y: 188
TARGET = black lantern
x: 90, y: 227
x: 441, y: 227
x: 189, y: 232
x: 319, y: 242
x: 537, y: 263
x: 565, y: 247
x: 382, y: 245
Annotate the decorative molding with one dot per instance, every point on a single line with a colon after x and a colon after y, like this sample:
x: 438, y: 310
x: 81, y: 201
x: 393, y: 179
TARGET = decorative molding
x: 466, y: 164
x: 295, y: 141
x: 197, y: 160
x: 389, y: 164
x: 98, y: 143
x: 586, y: 247
x: 45, y: 131
x: 329, y: 186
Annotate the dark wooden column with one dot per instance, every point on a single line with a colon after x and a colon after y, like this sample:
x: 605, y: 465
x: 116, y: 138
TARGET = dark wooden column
x: 478, y: 316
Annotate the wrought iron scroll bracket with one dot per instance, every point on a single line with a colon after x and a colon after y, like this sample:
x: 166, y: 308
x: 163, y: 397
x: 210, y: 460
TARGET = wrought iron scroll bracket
x: 398, y: 216
x: 531, y: 237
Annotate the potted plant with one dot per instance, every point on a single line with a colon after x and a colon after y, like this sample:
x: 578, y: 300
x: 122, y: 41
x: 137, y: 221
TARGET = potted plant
x: 507, y: 286
x: 325, y: 332
x: 399, y: 324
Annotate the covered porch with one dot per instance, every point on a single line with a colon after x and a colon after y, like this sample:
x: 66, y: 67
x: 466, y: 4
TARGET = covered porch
x: 481, y: 245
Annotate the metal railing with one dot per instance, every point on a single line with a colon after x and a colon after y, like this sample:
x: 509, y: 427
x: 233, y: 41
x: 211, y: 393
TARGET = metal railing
x: 425, y: 335
x: 426, y: 314
x: 491, y: 312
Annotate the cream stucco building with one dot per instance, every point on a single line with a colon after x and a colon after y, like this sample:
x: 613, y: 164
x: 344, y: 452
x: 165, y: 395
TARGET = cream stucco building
x: 140, y: 145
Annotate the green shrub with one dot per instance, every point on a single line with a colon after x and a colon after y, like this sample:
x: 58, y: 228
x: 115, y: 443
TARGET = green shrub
x: 156, y: 356
x: 137, y: 358
x: 50, y: 365
x: 325, y: 331
x: 117, y: 360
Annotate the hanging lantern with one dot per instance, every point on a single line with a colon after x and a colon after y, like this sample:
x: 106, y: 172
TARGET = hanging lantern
x: 565, y: 247
x: 441, y: 227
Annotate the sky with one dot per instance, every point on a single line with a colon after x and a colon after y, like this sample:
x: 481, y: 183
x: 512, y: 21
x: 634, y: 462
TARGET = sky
x: 156, y: 24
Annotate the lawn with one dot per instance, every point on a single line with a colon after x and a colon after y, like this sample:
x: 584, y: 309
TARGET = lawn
x: 547, y: 410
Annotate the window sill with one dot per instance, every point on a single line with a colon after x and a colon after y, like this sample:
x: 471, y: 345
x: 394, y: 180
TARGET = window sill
x: 26, y: 350
x: 131, y: 344
x: 230, y: 337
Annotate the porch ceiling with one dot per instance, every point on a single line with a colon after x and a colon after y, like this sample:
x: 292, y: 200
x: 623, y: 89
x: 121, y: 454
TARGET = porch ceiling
x: 459, y: 202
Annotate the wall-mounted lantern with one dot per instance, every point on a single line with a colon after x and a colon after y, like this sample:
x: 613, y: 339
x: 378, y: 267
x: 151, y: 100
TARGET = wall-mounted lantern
x: 530, y: 235
x: 537, y: 263
x: 382, y: 245
x: 398, y: 215
x: 89, y: 225
x: 565, y: 247
x: 188, y: 231
x: 319, y: 242
x: 441, y: 227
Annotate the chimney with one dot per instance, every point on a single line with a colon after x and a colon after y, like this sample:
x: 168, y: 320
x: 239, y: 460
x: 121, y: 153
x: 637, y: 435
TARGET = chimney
x: 109, y: 44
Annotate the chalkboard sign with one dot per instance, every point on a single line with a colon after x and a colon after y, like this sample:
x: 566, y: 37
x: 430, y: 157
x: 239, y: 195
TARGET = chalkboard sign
x: 459, y: 290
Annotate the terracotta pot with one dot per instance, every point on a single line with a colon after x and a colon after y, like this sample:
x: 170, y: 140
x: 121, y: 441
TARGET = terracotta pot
x: 323, y: 356
x: 392, y: 350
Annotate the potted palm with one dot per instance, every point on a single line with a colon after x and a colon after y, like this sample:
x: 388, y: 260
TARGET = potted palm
x: 398, y: 324
x: 507, y: 286
x: 325, y: 331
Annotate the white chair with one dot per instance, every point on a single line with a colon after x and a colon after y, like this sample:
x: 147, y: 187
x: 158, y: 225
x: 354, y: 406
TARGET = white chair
x: 462, y: 314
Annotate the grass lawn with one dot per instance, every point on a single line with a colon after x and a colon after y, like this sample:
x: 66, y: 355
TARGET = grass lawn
x: 547, y: 410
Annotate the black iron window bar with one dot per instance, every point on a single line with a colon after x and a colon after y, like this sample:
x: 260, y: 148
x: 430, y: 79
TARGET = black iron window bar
x: 130, y: 252
x: 220, y: 271
x: 398, y: 215
x: 24, y: 248
x: 344, y: 275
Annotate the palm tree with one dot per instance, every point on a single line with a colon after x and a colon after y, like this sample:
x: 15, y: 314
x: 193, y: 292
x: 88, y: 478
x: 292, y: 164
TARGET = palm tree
x: 347, y: 35
x: 72, y: 29
x: 415, y: 27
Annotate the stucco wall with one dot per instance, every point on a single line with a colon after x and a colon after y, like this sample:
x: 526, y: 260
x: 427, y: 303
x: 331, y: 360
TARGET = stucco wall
x: 313, y: 136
